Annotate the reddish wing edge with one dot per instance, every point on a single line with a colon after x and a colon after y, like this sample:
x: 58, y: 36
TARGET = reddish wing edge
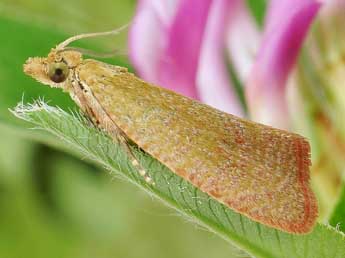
x: 310, y: 204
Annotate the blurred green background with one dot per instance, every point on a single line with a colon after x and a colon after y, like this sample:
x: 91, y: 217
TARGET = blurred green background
x: 53, y: 204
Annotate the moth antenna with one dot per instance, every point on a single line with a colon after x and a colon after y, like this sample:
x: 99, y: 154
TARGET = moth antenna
x: 95, y: 54
x: 68, y: 41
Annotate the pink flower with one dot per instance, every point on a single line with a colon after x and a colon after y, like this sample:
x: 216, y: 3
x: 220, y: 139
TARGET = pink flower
x: 188, y: 45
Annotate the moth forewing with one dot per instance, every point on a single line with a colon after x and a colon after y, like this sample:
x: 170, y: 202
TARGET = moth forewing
x: 254, y: 169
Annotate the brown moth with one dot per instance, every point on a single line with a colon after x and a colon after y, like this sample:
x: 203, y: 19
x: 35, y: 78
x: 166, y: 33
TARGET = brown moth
x: 256, y: 170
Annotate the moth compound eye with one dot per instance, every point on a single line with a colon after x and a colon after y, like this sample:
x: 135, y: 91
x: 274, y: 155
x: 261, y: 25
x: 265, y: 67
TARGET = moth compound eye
x: 58, y: 72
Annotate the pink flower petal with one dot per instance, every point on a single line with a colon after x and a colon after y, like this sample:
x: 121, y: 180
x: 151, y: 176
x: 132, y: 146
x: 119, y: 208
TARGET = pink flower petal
x: 213, y: 81
x: 242, y: 39
x: 178, y: 64
x: 148, y: 34
x: 165, y: 45
x: 287, y: 24
x: 332, y: 9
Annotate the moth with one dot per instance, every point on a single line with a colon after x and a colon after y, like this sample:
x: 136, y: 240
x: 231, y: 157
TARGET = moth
x: 254, y: 169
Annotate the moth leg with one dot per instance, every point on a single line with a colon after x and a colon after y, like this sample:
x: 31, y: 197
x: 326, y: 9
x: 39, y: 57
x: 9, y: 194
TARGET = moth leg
x: 135, y: 162
x: 83, y: 97
x: 117, y: 135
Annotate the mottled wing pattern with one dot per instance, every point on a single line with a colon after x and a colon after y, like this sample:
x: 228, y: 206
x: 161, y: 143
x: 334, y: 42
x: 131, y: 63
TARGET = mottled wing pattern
x: 254, y: 169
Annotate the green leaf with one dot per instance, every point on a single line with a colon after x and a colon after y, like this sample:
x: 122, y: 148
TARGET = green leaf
x: 338, y: 216
x: 258, y: 10
x: 254, y: 238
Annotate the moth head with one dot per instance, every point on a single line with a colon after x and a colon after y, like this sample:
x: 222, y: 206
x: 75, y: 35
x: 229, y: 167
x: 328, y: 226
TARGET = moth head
x: 54, y: 70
